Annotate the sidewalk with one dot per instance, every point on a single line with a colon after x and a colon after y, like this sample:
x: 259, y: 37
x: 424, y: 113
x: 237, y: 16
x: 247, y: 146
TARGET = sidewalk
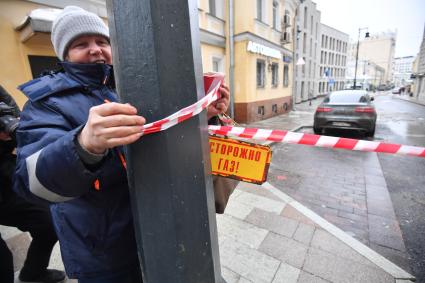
x: 266, y: 236
x: 420, y: 101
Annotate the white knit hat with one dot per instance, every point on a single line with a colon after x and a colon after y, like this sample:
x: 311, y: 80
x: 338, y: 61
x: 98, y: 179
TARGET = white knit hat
x: 73, y: 22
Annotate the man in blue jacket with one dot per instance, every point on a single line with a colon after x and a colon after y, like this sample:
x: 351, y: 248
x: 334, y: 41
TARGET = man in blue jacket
x: 69, y: 151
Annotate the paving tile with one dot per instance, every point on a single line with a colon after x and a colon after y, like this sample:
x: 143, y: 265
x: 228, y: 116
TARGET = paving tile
x: 18, y: 245
x: 375, y: 180
x: 324, y: 241
x: 272, y: 222
x: 245, y: 280
x: 337, y: 269
x: 385, y: 232
x: 247, y: 262
x: 306, y: 277
x: 353, y: 216
x: 257, y: 190
x: 261, y: 202
x: 229, y: 275
x: 286, y: 274
x: 304, y: 233
x: 401, y: 258
x: 241, y: 231
x: 238, y: 209
x: 294, y: 214
x: 284, y: 249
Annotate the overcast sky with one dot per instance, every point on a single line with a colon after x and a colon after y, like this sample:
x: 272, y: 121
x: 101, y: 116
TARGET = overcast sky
x: 405, y: 16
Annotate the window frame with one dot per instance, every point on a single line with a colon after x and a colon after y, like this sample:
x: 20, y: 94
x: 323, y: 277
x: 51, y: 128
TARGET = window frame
x: 261, y: 80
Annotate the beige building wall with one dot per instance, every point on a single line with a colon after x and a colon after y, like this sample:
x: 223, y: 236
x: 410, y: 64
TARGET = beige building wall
x: 254, y: 102
x: 380, y: 49
x: 15, y: 68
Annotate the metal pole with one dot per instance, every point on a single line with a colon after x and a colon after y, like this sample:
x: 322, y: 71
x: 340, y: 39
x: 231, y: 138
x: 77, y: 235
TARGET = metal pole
x: 294, y: 66
x: 232, y: 58
x: 357, y: 58
x: 158, y: 67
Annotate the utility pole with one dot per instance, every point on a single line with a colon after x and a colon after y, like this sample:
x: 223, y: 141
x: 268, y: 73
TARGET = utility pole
x: 158, y: 68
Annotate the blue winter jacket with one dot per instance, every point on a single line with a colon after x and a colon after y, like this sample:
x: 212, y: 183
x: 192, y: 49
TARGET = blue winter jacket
x: 94, y: 227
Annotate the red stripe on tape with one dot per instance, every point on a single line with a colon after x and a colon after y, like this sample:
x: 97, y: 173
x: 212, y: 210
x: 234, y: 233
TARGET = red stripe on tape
x: 277, y: 135
x: 248, y: 133
x: 309, y: 139
x: 422, y: 154
x: 346, y: 143
x: 388, y: 147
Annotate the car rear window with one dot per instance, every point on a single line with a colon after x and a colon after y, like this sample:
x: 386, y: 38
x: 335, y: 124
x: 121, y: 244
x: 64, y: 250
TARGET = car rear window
x: 345, y: 98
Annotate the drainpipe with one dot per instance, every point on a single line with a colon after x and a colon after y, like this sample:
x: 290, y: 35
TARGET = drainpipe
x: 232, y: 58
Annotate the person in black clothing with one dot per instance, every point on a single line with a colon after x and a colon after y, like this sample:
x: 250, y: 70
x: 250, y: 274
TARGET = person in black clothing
x: 19, y: 213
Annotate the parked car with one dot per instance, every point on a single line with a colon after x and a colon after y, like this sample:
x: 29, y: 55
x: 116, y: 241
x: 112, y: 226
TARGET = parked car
x: 396, y: 90
x: 346, y: 109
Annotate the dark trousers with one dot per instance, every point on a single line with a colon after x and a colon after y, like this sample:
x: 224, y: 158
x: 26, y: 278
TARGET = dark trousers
x: 35, y: 219
x: 132, y: 275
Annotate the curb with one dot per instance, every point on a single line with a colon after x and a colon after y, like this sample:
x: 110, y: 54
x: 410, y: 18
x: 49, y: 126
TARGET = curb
x: 383, y: 263
x: 410, y: 100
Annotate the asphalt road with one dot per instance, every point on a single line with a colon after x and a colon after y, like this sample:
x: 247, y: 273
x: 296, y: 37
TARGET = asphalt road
x: 404, y: 122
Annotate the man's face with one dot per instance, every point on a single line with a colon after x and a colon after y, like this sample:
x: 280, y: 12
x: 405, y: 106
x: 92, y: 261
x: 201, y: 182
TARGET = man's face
x: 89, y: 49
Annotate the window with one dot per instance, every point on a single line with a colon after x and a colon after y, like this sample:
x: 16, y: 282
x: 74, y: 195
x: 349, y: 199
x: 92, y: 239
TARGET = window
x: 261, y: 110
x: 212, y: 6
x: 274, y: 108
x: 275, y: 73
x: 305, y: 17
x: 39, y: 64
x: 275, y: 15
x: 260, y: 10
x: 217, y: 65
x: 260, y: 73
x: 285, y: 76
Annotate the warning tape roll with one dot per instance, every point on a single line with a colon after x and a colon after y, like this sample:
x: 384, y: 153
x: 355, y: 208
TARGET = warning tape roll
x: 277, y: 135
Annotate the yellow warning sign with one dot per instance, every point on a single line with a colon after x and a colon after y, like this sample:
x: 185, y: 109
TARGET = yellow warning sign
x: 239, y: 160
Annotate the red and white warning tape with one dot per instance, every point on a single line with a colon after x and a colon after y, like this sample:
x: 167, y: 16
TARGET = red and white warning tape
x: 316, y: 140
x: 277, y: 135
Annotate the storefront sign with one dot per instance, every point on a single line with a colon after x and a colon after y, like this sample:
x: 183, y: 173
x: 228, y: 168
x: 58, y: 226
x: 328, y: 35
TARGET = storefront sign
x: 238, y: 160
x: 263, y: 50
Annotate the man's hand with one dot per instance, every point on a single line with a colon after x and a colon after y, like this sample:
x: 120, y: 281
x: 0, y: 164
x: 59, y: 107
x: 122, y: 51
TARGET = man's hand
x: 110, y: 125
x: 220, y: 105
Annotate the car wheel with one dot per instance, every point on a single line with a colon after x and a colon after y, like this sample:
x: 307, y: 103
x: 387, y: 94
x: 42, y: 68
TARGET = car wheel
x: 371, y: 133
x: 317, y: 131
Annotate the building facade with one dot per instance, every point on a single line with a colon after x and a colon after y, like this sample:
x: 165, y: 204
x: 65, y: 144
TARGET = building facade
x: 262, y: 59
x: 419, y: 72
x: 379, y: 49
x: 402, y: 70
x: 307, y: 47
x: 262, y: 32
x: 333, y: 60
x: 369, y: 75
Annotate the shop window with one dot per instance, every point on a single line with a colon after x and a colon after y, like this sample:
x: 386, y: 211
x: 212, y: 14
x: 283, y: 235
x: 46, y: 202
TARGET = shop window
x: 274, y: 108
x: 286, y: 76
x: 275, y: 74
x: 40, y: 64
x: 260, y: 73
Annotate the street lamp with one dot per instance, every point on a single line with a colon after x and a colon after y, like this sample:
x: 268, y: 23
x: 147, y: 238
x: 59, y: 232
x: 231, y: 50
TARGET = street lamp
x: 297, y: 31
x: 357, y: 54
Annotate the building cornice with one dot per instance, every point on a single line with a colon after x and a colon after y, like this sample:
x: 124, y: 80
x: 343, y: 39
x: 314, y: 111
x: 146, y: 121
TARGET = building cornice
x: 248, y: 36
x: 212, y: 38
